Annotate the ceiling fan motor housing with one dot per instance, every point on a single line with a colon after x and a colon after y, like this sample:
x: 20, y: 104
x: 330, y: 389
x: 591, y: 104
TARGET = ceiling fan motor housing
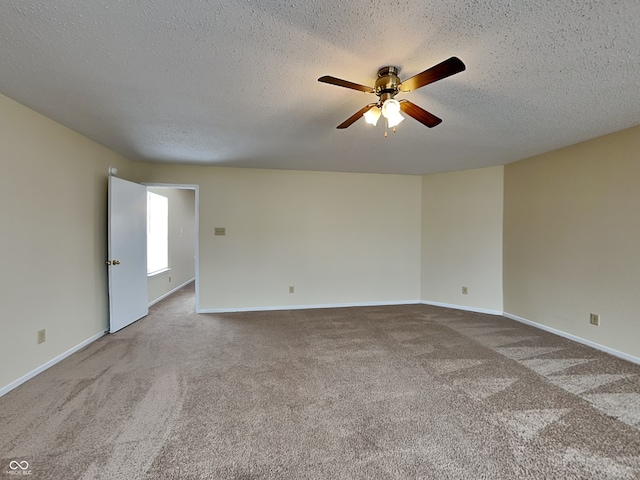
x: 388, y: 83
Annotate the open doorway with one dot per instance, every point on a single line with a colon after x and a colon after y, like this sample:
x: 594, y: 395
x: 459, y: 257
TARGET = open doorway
x: 172, y: 219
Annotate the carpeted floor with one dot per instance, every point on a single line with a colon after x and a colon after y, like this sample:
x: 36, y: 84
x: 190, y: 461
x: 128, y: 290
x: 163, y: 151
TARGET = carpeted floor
x: 374, y: 392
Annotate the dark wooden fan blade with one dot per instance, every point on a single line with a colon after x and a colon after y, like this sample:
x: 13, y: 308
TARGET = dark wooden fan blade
x: 343, y: 83
x: 445, y: 69
x: 355, y: 116
x: 420, y: 114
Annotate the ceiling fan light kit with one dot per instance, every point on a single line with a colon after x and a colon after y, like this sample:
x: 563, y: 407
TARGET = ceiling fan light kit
x: 388, y: 85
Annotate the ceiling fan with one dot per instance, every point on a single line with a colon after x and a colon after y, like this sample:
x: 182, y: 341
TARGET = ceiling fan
x: 388, y: 85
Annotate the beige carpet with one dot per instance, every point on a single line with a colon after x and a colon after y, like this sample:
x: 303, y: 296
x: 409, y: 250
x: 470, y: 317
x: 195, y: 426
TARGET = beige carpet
x: 376, y: 392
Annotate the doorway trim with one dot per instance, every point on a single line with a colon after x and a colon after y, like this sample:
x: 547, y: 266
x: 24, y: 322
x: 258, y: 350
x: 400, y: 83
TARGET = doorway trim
x: 196, y: 189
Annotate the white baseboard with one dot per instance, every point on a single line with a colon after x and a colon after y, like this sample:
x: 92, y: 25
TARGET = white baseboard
x: 462, y: 307
x: 306, y: 307
x: 589, y: 343
x: 172, y: 291
x: 50, y: 363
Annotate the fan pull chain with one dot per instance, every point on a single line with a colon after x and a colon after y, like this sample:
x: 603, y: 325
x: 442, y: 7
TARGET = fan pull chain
x: 386, y: 128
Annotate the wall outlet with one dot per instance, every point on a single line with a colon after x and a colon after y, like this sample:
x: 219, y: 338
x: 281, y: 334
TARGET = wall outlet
x: 42, y: 336
x: 169, y: 278
x: 220, y: 231
x: 465, y: 290
x: 292, y: 289
x: 594, y: 319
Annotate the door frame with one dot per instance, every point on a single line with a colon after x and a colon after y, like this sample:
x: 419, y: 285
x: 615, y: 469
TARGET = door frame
x: 196, y: 233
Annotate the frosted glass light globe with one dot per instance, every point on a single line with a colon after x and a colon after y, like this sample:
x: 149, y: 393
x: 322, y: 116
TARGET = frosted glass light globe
x: 390, y: 108
x: 372, y: 115
x: 394, y: 119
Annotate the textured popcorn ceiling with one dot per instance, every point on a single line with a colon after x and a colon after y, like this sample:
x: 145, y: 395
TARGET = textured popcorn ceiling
x: 234, y: 83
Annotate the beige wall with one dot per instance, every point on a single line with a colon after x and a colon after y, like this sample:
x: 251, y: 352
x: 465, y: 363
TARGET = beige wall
x: 572, y: 240
x: 53, y: 210
x: 181, y: 242
x: 336, y: 237
x: 462, y: 238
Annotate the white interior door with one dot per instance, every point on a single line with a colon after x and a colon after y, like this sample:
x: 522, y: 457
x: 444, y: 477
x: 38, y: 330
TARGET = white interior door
x: 128, y: 297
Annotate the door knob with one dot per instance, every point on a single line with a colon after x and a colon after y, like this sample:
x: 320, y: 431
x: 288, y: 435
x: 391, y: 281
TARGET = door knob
x: 116, y: 262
